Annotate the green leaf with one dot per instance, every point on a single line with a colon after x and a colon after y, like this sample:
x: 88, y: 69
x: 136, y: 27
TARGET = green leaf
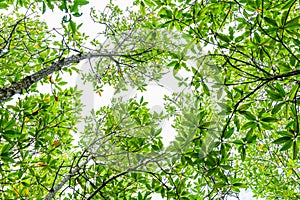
x: 238, y: 142
x: 285, y: 133
x: 3, y: 5
x: 205, y: 89
x: 223, y: 37
x: 62, y: 83
x: 228, y: 133
x: 10, y: 124
x: 149, y: 3
x: 142, y: 100
x: 6, y: 158
x: 266, y: 126
x: 284, y: 67
x: 169, y: 13
x: 72, y: 26
x: 49, y: 4
x: 65, y: 19
x: 173, y: 63
x: 63, y: 6
x: 250, y: 138
x: 6, y: 148
x: 25, y: 183
x: 176, y: 68
x: 240, y: 185
x: 288, y: 4
x: 292, y: 61
x: 248, y: 125
x: 248, y: 115
x: 243, y: 153
x: 277, y: 108
x: 142, y: 8
x: 219, y: 185
x: 81, y: 2
x: 297, y: 42
x: 287, y: 145
x: 270, y: 21
x: 258, y: 3
x: 210, y: 161
x: 293, y: 91
x: 269, y: 119
x: 155, y: 147
x: 293, y: 22
x: 256, y: 37
x: 77, y: 15
x: 284, y: 17
x: 282, y: 140
x: 280, y: 89
x: 274, y: 95
x: 295, y: 149
x: 140, y: 196
x: 11, y: 134
x: 236, y: 122
x: 44, y: 8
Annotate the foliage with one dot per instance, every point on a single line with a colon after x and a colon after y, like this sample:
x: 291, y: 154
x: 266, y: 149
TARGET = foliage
x: 237, y: 127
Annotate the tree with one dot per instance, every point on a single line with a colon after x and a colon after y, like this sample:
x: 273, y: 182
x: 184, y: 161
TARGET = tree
x: 237, y: 128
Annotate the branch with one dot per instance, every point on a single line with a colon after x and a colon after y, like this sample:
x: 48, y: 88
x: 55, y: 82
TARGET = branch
x: 106, y: 182
x: 25, y: 83
x: 266, y: 80
x: 66, y: 178
x: 118, y: 175
x: 285, y: 75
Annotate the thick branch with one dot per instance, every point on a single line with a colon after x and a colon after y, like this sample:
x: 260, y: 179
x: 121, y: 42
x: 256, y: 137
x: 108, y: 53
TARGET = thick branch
x: 25, y: 83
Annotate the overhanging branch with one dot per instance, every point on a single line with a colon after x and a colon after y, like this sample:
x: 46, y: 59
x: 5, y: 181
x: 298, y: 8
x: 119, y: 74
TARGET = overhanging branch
x: 25, y: 83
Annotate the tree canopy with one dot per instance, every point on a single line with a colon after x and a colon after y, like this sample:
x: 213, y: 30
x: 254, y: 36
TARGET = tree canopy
x: 236, y: 118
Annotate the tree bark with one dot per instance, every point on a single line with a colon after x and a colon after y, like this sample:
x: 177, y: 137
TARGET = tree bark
x: 25, y: 83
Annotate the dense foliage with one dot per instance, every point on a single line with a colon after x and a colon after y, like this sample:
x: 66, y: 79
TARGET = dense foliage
x: 236, y: 119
